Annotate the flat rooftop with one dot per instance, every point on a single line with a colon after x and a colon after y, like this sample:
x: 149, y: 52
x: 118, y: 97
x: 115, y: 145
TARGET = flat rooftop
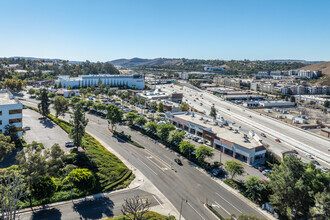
x: 7, y: 98
x: 225, y: 133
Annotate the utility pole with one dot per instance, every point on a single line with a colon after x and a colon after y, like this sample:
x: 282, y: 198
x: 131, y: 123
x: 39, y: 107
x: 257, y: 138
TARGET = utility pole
x: 181, y: 206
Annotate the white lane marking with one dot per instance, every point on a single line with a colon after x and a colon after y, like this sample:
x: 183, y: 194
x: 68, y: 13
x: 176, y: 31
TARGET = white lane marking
x: 219, y: 206
x: 149, y: 168
x: 196, y: 211
x: 158, y: 201
x: 158, y: 158
x: 161, y: 168
x: 229, y: 203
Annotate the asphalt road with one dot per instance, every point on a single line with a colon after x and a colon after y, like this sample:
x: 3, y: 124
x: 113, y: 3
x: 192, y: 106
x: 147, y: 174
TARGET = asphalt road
x: 96, y: 208
x: 186, y: 182
x: 291, y: 137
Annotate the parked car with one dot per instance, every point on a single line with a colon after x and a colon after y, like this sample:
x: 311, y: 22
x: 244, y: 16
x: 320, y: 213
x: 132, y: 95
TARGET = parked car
x: 217, y: 171
x: 263, y: 135
x: 324, y: 169
x: 265, y: 172
x: 316, y: 162
x: 69, y: 144
x: 178, y: 161
x: 277, y: 140
x: 200, y: 141
x: 309, y: 156
x: 27, y: 128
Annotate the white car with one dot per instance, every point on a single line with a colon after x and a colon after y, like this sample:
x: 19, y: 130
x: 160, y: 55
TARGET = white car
x: 309, y: 156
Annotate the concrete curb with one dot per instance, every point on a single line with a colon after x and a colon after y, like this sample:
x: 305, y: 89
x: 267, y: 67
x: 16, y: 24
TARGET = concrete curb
x: 211, y: 211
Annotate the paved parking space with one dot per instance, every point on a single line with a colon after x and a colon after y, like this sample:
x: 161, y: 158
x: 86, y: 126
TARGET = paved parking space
x: 43, y: 130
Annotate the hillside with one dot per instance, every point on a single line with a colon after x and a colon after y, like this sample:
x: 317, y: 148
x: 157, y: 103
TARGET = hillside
x: 135, y: 62
x: 324, y: 67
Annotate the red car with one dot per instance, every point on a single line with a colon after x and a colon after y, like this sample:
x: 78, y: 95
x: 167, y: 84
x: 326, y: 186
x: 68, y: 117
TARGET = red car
x: 295, y: 151
x: 277, y: 140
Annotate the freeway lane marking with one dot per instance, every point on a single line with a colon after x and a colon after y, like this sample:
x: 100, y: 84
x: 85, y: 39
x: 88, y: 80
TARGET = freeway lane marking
x: 162, y: 168
x: 229, y: 203
x: 196, y: 211
x: 158, y: 201
x: 149, y: 168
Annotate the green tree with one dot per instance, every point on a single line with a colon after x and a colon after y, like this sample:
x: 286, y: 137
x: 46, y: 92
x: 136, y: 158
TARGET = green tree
x: 184, y: 107
x: 82, y: 179
x: 61, y: 105
x: 31, y: 91
x: 79, y: 122
x: 114, y: 116
x: 143, y: 101
x: 33, y: 163
x: 133, y: 100
x: 11, y: 131
x: 321, y: 209
x: 203, y: 152
x: 44, y: 188
x: 292, y: 99
x: 160, y: 107
x: 59, y: 85
x: 326, y: 104
x: 12, y: 188
x: 234, y: 168
x: 153, y: 105
x: 6, y: 146
x: 163, y: 131
x: 152, y: 127
x: 111, y: 92
x: 289, y: 192
x: 69, y: 87
x: 213, y: 112
x: 89, y: 90
x: 130, y: 117
x: 140, y: 120
x: 55, y: 161
x: 176, y: 136
x: 43, y: 106
x: 186, y: 148
x: 74, y: 100
x: 253, y: 187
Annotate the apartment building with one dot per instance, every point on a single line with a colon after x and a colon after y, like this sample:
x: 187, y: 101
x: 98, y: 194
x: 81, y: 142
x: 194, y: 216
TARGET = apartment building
x: 10, y: 112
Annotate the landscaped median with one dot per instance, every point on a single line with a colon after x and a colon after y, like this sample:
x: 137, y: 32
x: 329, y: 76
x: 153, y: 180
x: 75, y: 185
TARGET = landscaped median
x: 110, y: 172
x: 147, y: 216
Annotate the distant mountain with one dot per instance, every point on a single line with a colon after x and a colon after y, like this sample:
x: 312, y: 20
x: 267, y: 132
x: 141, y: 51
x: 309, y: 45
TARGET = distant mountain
x: 46, y: 59
x: 294, y: 61
x: 135, y: 62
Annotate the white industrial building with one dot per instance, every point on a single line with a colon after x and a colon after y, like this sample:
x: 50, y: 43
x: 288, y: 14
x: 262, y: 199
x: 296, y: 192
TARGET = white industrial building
x: 10, y: 112
x: 271, y: 104
x: 129, y: 81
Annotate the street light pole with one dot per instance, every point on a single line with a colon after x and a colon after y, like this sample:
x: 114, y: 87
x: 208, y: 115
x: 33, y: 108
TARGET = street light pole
x: 71, y: 185
x: 181, y: 207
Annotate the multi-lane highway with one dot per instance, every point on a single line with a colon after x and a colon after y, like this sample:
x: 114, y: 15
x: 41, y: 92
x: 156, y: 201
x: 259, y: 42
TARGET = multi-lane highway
x: 291, y: 136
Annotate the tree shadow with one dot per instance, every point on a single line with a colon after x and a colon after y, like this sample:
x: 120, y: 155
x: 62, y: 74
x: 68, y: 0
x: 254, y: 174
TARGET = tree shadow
x: 47, y: 123
x: 49, y: 214
x: 95, y: 208
x: 9, y: 159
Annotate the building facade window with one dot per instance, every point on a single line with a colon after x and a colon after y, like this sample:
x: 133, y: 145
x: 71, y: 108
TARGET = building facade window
x: 16, y: 111
x: 0, y: 113
x: 16, y: 120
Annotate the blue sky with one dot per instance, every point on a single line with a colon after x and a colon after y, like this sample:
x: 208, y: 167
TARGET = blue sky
x: 203, y: 29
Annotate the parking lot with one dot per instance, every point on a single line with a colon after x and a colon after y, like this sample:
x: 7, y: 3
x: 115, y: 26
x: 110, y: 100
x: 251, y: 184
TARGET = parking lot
x: 43, y: 130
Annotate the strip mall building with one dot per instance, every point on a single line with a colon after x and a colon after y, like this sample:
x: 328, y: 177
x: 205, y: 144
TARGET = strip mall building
x: 229, y: 140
